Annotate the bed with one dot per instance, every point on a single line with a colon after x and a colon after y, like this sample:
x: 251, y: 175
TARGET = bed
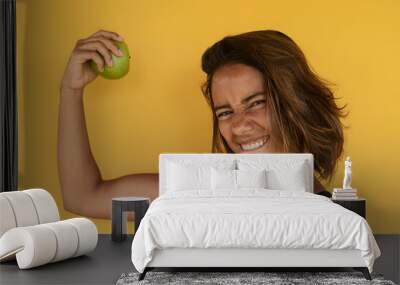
x: 247, y: 211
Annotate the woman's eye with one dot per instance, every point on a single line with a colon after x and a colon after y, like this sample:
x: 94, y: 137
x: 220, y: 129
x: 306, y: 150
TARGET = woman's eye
x: 223, y: 114
x: 257, y: 103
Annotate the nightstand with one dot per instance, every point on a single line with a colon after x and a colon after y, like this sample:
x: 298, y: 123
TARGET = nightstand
x: 120, y: 207
x: 357, y: 205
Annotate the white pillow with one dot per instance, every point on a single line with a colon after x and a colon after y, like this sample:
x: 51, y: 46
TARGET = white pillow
x: 236, y: 179
x: 288, y: 178
x: 251, y: 178
x: 223, y: 179
x: 281, y: 174
x: 181, y: 177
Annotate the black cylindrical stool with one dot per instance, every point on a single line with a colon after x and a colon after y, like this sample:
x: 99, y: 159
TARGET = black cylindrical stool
x: 120, y: 207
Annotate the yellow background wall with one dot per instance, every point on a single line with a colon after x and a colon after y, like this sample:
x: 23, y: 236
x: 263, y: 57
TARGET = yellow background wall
x: 158, y: 106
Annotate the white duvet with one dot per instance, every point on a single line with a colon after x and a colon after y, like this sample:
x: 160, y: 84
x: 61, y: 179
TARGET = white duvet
x: 251, y: 218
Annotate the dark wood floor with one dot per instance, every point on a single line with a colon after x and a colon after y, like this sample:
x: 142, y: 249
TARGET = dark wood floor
x: 389, y: 262
x: 110, y: 260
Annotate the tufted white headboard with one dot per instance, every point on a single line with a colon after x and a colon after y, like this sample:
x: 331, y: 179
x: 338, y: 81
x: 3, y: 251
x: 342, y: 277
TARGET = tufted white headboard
x: 201, y: 158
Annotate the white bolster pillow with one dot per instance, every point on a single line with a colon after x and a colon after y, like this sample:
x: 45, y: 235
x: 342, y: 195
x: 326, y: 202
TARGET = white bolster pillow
x: 33, y: 246
x: 87, y: 235
x: 23, y: 208
x: 67, y: 240
x: 7, y: 218
x: 26, y: 208
x: 40, y: 244
x: 46, y: 207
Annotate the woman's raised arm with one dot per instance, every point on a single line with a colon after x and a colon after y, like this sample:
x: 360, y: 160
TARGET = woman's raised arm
x: 84, y: 190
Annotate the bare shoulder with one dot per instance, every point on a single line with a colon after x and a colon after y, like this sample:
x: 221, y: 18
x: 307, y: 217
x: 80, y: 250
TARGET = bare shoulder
x: 140, y: 184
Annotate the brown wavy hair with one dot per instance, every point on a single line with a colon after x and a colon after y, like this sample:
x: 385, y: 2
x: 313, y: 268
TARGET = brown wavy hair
x: 302, y: 106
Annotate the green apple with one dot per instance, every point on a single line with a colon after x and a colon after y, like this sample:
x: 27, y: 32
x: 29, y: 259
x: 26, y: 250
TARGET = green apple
x: 120, y: 66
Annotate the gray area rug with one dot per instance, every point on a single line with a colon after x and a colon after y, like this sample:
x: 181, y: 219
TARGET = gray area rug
x: 225, y: 278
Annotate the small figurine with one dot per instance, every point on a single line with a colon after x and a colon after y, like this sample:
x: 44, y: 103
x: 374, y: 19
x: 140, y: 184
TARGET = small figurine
x: 347, y: 174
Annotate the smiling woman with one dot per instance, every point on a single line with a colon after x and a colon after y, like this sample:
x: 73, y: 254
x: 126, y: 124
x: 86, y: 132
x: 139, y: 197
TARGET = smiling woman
x: 239, y: 101
x: 265, y: 98
x: 263, y: 95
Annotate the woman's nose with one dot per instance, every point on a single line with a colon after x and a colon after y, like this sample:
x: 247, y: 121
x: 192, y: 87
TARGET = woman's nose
x: 240, y: 123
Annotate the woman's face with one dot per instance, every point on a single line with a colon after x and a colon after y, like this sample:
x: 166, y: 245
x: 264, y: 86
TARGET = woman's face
x: 238, y: 94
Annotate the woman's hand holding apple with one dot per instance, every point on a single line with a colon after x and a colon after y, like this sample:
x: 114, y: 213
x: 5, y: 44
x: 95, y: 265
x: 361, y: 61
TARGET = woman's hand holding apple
x: 99, y: 47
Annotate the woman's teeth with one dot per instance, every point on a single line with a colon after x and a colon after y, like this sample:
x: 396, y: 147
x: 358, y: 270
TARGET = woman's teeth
x: 254, y: 145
